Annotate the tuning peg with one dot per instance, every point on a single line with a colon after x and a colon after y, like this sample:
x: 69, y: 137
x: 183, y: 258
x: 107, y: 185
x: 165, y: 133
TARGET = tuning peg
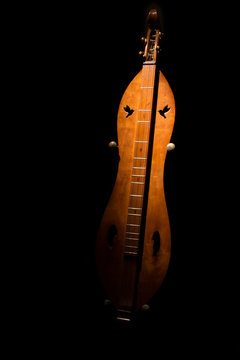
x: 170, y: 146
x: 141, y: 52
x: 144, y: 39
x: 112, y: 144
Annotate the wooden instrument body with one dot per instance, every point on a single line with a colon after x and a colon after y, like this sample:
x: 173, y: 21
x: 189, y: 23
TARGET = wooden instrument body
x: 111, y: 261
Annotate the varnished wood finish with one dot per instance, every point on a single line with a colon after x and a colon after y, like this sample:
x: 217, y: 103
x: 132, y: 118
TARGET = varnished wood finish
x: 154, y: 268
x: 110, y: 261
x: 118, y: 272
x: 153, y: 19
x: 134, y: 239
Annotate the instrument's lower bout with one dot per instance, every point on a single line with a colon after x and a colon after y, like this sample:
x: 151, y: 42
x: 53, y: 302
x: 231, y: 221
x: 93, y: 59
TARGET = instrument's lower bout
x: 132, y: 275
x: 130, y: 280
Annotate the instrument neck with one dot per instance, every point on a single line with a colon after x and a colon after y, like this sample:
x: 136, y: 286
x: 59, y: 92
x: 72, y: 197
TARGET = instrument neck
x: 141, y: 161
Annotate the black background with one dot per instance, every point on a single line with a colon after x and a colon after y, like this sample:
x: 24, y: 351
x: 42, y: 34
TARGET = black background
x: 82, y: 59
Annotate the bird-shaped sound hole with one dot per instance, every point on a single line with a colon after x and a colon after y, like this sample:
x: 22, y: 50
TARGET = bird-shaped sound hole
x: 128, y: 110
x: 164, y: 111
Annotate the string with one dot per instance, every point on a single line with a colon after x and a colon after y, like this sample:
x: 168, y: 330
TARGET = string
x: 142, y: 134
x: 144, y: 128
x: 142, y: 131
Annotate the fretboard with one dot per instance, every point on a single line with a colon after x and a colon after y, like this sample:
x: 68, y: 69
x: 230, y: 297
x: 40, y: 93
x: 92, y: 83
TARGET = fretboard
x: 140, y: 162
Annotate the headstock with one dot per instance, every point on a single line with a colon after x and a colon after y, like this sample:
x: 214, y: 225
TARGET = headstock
x: 154, y: 34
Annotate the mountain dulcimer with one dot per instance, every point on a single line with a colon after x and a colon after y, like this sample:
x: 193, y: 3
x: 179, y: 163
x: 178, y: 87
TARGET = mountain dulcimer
x: 133, y: 244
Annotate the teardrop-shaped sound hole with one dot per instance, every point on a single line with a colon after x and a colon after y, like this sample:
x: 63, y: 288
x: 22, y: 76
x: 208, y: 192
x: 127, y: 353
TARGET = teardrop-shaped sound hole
x: 112, y: 232
x: 156, y: 243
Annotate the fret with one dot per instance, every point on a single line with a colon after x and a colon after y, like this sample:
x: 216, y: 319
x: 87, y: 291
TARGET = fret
x: 146, y: 87
x: 132, y: 233
x: 136, y: 182
x: 136, y: 202
x: 144, y: 110
x: 134, y: 214
x: 143, y: 121
x: 130, y: 253
x: 140, y: 158
x: 133, y: 224
x: 141, y: 141
x: 134, y: 195
x: 132, y: 241
x: 138, y: 175
x: 138, y: 167
x: 131, y: 246
x: 134, y: 208
x: 149, y: 62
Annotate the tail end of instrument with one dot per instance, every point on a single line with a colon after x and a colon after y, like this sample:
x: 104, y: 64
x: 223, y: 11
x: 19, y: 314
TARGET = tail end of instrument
x: 124, y: 316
